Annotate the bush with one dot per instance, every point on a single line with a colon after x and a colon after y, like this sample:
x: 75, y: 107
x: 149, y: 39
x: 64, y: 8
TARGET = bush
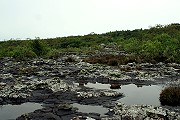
x: 53, y: 53
x: 22, y: 53
x: 132, y: 45
x: 70, y: 59
x: 38, y: 48
x: 72, y: 42
x: 152, y: 50
x: 112, y: 60
x: 170, y: 96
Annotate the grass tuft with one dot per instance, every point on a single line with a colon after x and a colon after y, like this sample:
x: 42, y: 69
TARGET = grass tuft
x: 170, y: 96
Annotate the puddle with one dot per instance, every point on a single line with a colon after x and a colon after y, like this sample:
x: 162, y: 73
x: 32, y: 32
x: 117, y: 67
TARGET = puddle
x: 134, y: 94
x: 91, y: 109
x: 94, y: 85
x: 11, y: 112
x: 141, y: 95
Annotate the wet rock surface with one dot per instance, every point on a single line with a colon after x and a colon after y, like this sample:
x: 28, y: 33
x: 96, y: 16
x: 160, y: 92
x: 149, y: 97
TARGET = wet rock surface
x: 141, y: 112
x: 58, y: 112
x: 51, y: 82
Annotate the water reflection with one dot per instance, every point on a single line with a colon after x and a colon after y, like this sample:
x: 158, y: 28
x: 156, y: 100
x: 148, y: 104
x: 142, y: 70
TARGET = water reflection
x: 91, y: 109
x: 82, y: 82
x: 139, y: 85
x: 115, y: 86
x: 141, y: 95
x: 11, y: 112
x: 134, y: 94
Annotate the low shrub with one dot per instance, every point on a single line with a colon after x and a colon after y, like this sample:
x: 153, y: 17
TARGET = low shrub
x: 22, y: 53
x: 170, y: 96
x: 39, y: 48
x: 70, y: 59
x: 112, y: 60
x: 53, y: 54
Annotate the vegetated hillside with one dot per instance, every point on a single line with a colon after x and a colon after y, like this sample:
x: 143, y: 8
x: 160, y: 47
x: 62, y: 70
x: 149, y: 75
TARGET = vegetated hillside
x: 159, y: 43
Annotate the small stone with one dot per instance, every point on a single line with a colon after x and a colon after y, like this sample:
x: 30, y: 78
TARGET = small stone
x: 2, y: 84
x: 1, y: 100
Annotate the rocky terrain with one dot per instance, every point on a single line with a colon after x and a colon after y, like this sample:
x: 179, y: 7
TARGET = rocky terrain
x: 51, y: 82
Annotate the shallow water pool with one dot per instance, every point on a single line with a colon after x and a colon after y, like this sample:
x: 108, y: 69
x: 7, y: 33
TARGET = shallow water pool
x: 141, y: 95
x: 134, y: 94
x: 91, y: 109
x: 11, y: 112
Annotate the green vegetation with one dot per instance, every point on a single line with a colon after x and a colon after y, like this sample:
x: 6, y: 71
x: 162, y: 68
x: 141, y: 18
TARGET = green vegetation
x: 170, y: 96
x: 156, y: 44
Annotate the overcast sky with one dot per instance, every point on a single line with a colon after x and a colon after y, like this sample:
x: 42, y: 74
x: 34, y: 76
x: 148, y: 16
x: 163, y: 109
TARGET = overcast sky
x: 57, y: 18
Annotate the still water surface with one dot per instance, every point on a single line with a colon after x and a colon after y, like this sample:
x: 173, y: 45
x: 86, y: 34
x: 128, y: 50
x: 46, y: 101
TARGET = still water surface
x: 11, y: 112
x: 134, y: 94
x: 91, y: 109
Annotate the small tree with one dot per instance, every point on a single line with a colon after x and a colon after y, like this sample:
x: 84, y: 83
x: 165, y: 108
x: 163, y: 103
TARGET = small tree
x: 38, y: 48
